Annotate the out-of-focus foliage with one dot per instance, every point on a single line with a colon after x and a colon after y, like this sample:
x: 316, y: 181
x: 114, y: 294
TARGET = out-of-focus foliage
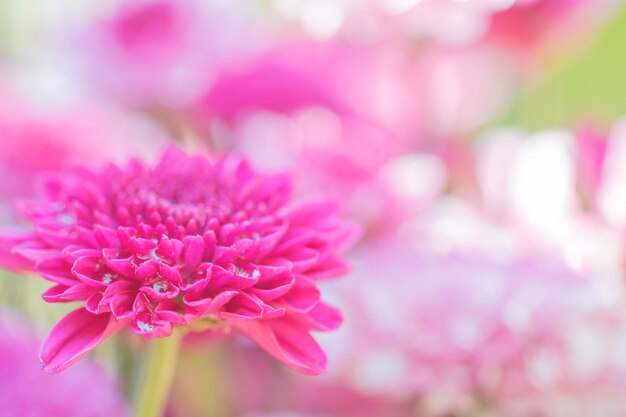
x: 586, y: 87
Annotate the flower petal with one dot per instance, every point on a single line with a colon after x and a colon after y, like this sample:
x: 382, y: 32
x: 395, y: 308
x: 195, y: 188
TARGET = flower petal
x: 288, y: 342
x: 332, y: 267
x: 303, y: 295
x: 9, y: 240
x: 242, y: 307
x: 63, y: 294
x: 74, y: 336
x: 323, y: 317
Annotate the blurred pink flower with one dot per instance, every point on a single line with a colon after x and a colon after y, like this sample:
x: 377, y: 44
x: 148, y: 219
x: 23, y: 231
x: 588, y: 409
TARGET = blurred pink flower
x: 516, y: 23
x: 163, y: 52
x: 284, y: 414
x: 302, y: 107
x: 27, y: 391
x: 337, y: 398
x: 331, y: 75
x: 471, y: 333
x: 526, y: 22
x: 35, y: 141
x: 604, y: 168
x: 411, y: 98
x: 185, y: 240
x: 560, y: 190
x: 592, y: 147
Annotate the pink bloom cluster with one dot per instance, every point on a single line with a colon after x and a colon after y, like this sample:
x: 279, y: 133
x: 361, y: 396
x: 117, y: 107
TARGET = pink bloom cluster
x: 169, y: 49
x: 187, y: 240
x: 336, y: 136
x: 516, y: 335
x: 34, y: 141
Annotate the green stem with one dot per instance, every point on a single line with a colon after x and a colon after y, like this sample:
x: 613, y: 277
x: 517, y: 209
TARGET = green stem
x: 157, y: 377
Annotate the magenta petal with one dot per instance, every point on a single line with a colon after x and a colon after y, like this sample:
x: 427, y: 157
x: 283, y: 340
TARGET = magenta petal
x: 197, y: 279
x: 346, y: 235
x: 303, y: 296
x: 332, y: 267
x: 271, y: 313
x: 107, y: 237
x: 202, y: 304
x: 118, y: 298
x: 158, y: 291
x: 289, y: 343
x: 74, y: 252
x: 87, y: 236
x: 57, y: 270
x: 242, y: 307
x: 8, y: 257
x: 194, y: 249
x: 312, y: 212
x: 267, y: 243
x: 273, y: 292
x: 101, y: 218
x: 54, y: 237
x: 210, y: 242
x: 170, y: 273
x: 122, y: 266
x: 224, y: 255
x: 171, y: 311
x: 62, y: 293
x: 92, y: 304
x: 170, y: 248
x: 74, y: 336
x: 235, y: 279
x: 302, y: 259
x: 140, y: 246
x: 147, y: 269
x: 34, y: 253
x: 85, y: 268
x: 323, y: 317
x: 121, y: 305
x: 296, y: 239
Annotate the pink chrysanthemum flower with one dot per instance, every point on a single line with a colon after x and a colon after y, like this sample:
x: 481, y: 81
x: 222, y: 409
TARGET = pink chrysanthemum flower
x: 188, y: 240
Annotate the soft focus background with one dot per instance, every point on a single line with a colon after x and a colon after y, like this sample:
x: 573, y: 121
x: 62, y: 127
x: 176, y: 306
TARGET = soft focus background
x: 480, y: 143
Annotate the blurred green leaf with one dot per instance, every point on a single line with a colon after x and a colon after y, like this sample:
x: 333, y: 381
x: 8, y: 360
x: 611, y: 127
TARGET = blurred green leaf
x: 588, y: 87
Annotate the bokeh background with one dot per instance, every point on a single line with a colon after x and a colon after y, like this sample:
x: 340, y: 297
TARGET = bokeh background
x: 480, y: 144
